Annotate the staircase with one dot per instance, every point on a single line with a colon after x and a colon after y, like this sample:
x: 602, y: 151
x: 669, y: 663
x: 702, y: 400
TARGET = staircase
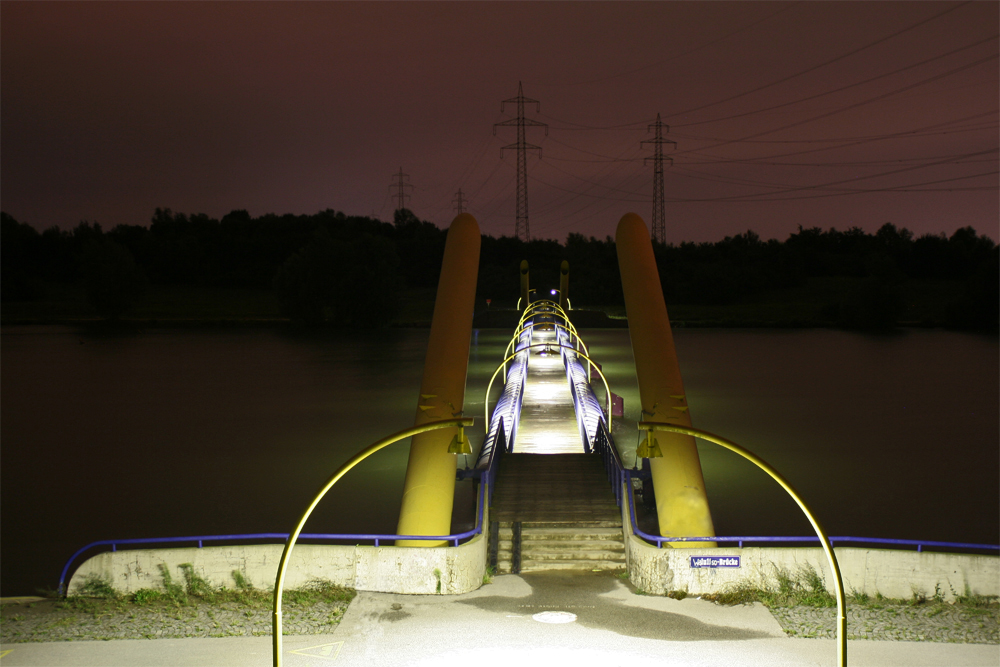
x: 554, y: 511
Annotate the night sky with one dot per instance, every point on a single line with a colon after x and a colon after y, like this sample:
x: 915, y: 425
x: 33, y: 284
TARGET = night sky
x: 810, y: 113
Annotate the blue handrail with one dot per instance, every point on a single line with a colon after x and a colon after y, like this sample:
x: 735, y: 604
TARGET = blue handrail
x: 200, y: 539
x: 619, y: 475
x: 489, y: 471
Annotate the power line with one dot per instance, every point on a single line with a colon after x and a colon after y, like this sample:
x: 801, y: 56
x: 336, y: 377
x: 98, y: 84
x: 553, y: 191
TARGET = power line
x: 823, y: 64
x: 676, y: 56
x: 844, y: 142
x: 841, y: 89
x: 775, y: 196
x: 990, y: 58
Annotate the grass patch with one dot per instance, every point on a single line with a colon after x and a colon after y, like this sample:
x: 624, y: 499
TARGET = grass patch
x: 97, y: 597
x: 976, y: 601
x: 95, y: 586
x: 804, y: 587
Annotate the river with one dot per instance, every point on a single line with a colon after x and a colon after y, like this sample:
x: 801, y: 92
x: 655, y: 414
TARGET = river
x: 174, y: 432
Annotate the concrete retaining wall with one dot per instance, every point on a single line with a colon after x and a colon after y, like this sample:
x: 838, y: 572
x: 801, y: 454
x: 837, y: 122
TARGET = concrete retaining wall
x: 413, y: 570
x: 893, y: 573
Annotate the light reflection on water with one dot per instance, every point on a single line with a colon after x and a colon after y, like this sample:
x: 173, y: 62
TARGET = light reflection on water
x: 182, y: 433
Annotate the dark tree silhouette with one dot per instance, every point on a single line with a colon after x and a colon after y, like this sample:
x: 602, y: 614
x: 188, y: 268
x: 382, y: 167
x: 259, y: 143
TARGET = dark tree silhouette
x: 114, y: 283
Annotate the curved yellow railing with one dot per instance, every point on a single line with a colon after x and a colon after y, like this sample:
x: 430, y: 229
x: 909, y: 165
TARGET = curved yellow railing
x: 529, y: 311
x: 607, y: 387
x: 279, y: 582
x: 529, y: 325
x: 558, y: 312
x: 776, y: 476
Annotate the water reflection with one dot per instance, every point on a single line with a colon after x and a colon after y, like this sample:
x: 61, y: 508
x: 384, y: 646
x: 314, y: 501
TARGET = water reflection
x: 174, y: 433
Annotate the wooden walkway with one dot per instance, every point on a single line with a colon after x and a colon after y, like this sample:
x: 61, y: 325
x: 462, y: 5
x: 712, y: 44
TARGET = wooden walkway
x: 548, y: 422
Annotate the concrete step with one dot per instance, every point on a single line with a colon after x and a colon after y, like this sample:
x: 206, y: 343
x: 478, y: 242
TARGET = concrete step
x: 604, y: 518
x: 582, y: 547
x: 541, y: 566
x: 575, y: 556
x: 530, y: 532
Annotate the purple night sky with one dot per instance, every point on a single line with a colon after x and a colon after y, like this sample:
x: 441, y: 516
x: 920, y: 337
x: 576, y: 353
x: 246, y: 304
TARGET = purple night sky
x: 829, y: 114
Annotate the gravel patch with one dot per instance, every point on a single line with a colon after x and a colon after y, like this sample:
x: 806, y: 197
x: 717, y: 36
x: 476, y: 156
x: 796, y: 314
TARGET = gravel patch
x: 49, y: 621
x: 46, y: 621
x: 896, y: 622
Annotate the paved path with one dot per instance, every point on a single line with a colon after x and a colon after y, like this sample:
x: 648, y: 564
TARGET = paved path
x: 497, y: 625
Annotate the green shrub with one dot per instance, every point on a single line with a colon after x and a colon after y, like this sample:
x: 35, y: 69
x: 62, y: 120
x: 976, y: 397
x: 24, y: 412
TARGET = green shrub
x: 96, y: 586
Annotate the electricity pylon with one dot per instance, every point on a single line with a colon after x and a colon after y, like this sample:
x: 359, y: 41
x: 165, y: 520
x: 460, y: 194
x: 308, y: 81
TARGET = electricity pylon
x: 459, y: 203
x: 521, y: 221
x: 659, y: 214
x: 401, y: 185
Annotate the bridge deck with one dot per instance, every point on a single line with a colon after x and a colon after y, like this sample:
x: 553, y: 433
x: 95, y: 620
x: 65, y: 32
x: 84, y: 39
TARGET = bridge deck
x: 548, y: 422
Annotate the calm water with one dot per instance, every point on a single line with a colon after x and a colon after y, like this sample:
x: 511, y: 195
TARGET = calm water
x: 185, y: 433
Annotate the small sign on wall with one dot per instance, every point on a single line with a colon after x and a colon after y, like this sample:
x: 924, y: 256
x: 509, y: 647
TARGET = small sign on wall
x: 715, y: 561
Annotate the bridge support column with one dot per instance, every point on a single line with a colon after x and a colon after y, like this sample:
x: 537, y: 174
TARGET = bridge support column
x: 679, y: 486
x: 429, y: 489
x: 564, y: 286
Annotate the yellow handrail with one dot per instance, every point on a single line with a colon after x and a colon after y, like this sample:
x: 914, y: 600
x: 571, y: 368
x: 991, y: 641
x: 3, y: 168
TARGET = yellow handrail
x: 355, y: 460
x: 556, y: 324
x: 547, y: 303
x: 607, y: 387
x: 561, y: 313
x: 776, y: 476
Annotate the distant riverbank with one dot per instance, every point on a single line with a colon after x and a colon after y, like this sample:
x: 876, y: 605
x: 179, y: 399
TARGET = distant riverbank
x: 819, y: 303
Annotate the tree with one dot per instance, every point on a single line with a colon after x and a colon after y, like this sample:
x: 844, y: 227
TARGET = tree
x: 114, y: 283
x: 341, y: 282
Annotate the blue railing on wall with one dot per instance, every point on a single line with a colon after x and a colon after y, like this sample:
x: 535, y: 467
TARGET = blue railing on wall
x: 486, y: 473
x: 621, y: 477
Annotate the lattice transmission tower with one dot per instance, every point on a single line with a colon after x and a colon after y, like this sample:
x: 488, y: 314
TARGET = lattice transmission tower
x: 400, y: 184
x: 659, y: 214
x: 521, y: 230
x: 459, y: 202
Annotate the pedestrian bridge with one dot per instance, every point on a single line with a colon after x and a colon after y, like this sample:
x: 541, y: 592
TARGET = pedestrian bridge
x: 551, y: 505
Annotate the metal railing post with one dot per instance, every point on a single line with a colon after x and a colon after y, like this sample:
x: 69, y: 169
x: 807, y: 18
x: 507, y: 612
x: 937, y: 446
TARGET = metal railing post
x: 279, y: 581
x: 776, y: 476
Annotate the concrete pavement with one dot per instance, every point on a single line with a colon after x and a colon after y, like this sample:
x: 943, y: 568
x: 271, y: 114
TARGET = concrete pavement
x: 548, y: 618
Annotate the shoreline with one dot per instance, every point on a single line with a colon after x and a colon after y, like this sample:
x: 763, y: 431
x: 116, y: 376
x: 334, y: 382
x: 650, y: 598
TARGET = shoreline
x: 138, y: 325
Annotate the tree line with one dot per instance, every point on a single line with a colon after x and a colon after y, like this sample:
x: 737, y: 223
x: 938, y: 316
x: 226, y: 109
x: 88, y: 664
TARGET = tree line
x: 352, y: 270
